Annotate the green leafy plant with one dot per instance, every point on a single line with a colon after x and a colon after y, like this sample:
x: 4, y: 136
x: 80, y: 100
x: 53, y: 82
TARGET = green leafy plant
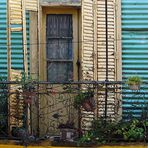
x: 27, y: 85
x: 85, y: 99
x: 86, y: 139
x: 134, y: 80
x: 108, y: 131
x: 26, y: 82
x: 131, y: 131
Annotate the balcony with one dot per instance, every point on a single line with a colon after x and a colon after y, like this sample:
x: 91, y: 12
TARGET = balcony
x: 73, y: 112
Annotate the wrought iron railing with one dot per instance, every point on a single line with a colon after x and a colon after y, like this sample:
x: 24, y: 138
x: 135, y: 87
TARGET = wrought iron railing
x: 41, y: 109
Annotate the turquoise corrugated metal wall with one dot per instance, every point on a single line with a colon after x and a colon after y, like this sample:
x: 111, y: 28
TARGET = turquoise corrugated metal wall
x: 3, y: 37
x: 16, y: 39
x: 135, y: 53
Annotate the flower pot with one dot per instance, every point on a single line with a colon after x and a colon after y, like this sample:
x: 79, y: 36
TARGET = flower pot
x: 67, y: 134
x: 28, y: 94
x: 134, y: 87
x: 89, y: 105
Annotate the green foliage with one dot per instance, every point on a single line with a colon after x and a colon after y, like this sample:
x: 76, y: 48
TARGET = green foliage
x: 134, y: 80
x: 112, y: 132
x: 26, y: 82
x: 85, y: 139
x: 81, y: 97
x: 131, y: 131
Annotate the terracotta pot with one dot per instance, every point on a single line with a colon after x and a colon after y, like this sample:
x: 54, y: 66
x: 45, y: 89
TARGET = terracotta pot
x: 89, y: 105
x: 28, y: 101
x: 28, y: 93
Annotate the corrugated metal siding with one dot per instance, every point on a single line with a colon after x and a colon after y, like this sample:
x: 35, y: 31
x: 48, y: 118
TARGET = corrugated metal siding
x: 28, y: 38
x: 3, y: 37
x: 134, y: 52
x: 17, y: 51
x: 16, y: 37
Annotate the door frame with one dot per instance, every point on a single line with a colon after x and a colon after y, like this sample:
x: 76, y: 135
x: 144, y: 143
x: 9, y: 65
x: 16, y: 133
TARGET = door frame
x: 75, y: 20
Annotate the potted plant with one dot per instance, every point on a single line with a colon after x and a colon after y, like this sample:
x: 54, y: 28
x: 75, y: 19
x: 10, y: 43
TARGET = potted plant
x: 67, y: 131
x: 85, y: 100
x: 134, y: 82
x: 28, y: 87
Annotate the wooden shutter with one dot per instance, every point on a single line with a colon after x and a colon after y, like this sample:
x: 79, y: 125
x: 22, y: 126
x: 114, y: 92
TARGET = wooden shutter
x: 16, y: 11
x: 101, y: 31
x: 87, y: 40
x: 94, y: 49
x: 94, y: 34
x: 102, y: 40
x: 32, y: 5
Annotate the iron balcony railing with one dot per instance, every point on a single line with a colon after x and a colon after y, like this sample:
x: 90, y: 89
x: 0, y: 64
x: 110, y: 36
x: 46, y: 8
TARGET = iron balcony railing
x: 39, y: 109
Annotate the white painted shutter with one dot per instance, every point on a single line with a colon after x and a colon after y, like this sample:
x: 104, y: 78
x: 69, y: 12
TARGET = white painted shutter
x: 32, y: 5
x: 15, y: 11
x: 101, y: 31
x: 87, y: 40
x: 94, y: 50
x: 101, y: 40
x: 94, y: 33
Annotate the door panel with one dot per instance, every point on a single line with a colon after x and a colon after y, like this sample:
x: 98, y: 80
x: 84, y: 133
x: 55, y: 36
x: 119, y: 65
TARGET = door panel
x: 59, y: 47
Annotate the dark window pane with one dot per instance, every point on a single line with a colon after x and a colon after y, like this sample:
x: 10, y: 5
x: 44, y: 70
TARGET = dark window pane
x: 59, y: 49
x: 58, y: 72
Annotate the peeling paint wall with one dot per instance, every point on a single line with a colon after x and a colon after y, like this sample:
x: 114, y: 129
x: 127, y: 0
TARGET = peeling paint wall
x: 64, y: 2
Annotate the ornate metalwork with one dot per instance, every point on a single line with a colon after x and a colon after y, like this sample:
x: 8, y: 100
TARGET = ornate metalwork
x: 46, y: 107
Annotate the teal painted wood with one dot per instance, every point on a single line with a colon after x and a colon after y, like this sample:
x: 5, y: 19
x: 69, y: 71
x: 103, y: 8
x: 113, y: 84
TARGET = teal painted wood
x: 135, y: 53
x: 3, y: 37
x: 28, y: 37
x: 17, y: 47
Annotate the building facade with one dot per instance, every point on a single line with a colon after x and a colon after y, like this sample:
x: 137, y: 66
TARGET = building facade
x: 88, y: 40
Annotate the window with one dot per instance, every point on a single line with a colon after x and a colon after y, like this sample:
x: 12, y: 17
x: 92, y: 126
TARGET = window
x: 59, y: 47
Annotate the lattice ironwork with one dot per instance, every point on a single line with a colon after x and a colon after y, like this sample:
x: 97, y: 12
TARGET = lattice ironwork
x: 44, y: 108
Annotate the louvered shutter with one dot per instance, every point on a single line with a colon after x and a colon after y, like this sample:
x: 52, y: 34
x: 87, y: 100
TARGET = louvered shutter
x: 87, y: 40
x: 101, y: 40
x: 101, y: 31
x: 16, y: 11
x: 92, y: 37
x: 32, y: 5
x: 94, y: 50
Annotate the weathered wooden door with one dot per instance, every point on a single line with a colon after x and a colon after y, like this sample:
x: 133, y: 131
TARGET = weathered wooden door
x: 59, y: 54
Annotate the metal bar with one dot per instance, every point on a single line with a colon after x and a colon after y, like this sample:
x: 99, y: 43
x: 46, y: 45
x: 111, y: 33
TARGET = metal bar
x: 72, y: 82
x: 24, y: 37
x: 59, y: 60
x: 106, y: 85
x: 60, y: 38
